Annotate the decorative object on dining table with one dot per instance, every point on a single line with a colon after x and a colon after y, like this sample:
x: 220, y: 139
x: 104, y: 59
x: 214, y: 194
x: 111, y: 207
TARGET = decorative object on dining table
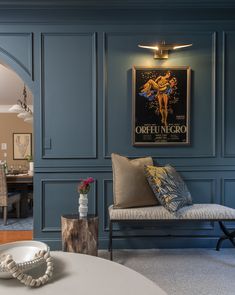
x: 18, y: 257
x: 83, y: 189
x: 4, y: 163
x: 29, y: 158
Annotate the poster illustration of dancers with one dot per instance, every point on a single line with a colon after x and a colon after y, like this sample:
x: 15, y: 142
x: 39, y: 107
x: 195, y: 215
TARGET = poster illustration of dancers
x: 161, y: 104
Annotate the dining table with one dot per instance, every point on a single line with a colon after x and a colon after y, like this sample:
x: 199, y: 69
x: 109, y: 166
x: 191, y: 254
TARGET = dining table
x: 16, y: 179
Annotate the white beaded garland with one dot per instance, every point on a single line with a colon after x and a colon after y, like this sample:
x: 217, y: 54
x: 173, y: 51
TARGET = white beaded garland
x: 28, y: 280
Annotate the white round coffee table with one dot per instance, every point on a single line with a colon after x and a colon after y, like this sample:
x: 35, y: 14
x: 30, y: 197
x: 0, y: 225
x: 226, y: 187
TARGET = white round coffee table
x: 86, y: 275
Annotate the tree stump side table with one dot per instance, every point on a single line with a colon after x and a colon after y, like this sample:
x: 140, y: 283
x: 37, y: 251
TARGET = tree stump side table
x: 80, y: 235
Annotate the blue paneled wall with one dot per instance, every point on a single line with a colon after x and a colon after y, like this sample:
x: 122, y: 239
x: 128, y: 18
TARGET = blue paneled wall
x: 80, y: 73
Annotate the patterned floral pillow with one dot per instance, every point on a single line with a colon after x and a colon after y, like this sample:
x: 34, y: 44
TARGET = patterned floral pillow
x: 168, y: 187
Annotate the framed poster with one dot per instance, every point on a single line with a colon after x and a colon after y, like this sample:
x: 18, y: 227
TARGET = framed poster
x: 161, y: 105
x: 22, y: 145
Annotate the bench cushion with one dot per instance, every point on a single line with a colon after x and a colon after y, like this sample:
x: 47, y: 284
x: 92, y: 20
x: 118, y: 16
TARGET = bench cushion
x: 194, y: 212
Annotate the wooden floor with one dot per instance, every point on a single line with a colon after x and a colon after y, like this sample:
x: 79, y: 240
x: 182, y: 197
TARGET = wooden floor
x: 12, y: 236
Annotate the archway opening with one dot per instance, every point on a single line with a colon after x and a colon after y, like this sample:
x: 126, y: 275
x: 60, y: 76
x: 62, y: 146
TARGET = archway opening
x: 16, y: 152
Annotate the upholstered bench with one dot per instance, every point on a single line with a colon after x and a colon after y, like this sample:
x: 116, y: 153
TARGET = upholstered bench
x: 197, y: 212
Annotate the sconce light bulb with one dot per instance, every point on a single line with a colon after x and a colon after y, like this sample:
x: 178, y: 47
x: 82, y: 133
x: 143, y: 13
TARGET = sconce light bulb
x: 149, y: 47
x: 182, y: 46
x: 161, y: 50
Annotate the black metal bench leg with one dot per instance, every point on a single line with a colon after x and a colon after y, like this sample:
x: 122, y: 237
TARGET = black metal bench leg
x: 221, y: 239
x: 110, y: 240
x: 227, y: 236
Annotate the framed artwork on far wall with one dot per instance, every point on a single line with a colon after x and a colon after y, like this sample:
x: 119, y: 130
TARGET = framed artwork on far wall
x: 161, y: 106
x: 22, y: 145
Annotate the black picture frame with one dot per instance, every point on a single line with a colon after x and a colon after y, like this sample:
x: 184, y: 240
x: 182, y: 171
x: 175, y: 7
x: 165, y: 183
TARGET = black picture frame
x: 161, y: 106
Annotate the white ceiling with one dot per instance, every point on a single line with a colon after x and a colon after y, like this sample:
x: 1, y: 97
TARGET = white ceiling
x: 11, y: 87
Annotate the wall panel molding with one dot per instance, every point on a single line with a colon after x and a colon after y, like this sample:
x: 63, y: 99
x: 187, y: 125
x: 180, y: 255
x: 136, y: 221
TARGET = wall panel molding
x: 15, y: 57
x: 225, y: 77
x: 118, y: 4
x: 226, y: 200
x: 44, y: 182
x: 46, y: 142
x: 105, y: 203
x: 108, y: 168
x: 212, y: 182
x: 225, y: 181
x: 213, y: 38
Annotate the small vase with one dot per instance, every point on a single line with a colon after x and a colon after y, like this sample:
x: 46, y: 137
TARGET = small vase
x: 31, y: 166
x: 83, y: 205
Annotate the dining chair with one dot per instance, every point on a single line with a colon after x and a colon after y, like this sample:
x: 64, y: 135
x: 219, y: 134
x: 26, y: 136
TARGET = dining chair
x: 7, y: 199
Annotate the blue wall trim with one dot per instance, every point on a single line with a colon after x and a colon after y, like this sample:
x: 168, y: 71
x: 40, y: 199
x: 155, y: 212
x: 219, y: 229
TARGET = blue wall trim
x: 106, y: 4
x: 208, y: 165
x: 106, y: 96
x: 227, y: 96
x: 73, y: 182
x: 46, y: 141
x: 14, y: 56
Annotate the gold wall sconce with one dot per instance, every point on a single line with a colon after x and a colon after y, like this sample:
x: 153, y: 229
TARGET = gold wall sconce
x: 162, y: 49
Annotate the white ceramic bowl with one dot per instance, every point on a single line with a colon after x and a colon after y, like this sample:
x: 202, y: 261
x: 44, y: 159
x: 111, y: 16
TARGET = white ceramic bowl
x: 23, y: 253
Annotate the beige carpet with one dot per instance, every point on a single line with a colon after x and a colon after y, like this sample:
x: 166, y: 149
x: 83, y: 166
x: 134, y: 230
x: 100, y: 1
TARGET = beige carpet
x: 183, y: 271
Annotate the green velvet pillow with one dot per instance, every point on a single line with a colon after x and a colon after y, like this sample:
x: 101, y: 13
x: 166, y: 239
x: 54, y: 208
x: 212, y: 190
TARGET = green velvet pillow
x: 168, y: 187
